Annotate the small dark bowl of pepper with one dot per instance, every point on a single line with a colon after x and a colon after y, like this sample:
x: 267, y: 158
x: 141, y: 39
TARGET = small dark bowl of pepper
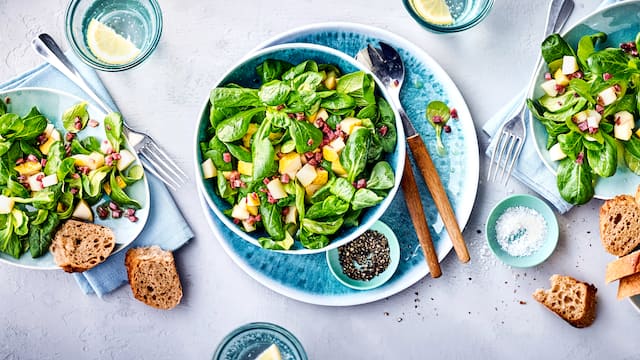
x: 368, y: 261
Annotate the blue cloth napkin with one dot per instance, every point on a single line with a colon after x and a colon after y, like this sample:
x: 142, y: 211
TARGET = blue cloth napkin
x: 165, y: 226
x: 529, y: 169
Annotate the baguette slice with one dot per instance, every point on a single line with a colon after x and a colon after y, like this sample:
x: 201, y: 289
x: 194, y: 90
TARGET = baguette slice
x: 629, y: 286
x: 153, y: 277
x: 572, y: 300
x: 79, y: 246
x: 620, y: 225
x: 624, y: 266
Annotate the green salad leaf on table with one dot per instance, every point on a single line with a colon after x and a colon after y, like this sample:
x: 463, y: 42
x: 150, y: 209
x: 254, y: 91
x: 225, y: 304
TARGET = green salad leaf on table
x: 46, y: 177
x: 589, y: 109
x: 301, y: 156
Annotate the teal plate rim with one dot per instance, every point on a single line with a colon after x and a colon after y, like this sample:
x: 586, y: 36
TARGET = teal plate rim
x: 308, y: 278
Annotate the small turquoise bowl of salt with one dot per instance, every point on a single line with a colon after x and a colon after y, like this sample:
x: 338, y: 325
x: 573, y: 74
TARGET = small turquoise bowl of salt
x: 522, y: 231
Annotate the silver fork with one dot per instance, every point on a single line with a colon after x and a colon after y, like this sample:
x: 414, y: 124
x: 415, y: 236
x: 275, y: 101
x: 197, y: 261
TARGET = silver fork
x: 156, y: 161
x: 513, y: 133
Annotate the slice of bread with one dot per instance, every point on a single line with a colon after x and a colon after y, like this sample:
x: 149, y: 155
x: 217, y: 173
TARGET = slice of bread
x: 620, y: 225
x: 153, y: 277
x: 572, y: 300
x: 624, y: 266
x: 79, y: 246
x: 629, y: 286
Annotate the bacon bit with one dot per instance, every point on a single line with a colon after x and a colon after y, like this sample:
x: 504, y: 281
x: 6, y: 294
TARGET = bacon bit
x: 73, y: 190
x: 43, y: 162
x: 266, y: 181
x: 583, y: 126
x: 318, y: 157
x: 236, y: 221
x: 454, y: 113
x: 310, y: 142
x: 226, y: 157
x: 116, y: 214
x: 383, y: 130
x: 309, y: 154
x: 437, y: 119
x: 284, y: 178
x: 102, y: 212
x: 116, y: 156
x: 560, y: 89
x: 313, y: 162
x: 108, y: 160
x: 360, y: 184
x: 300, y: 116
x: 7, y: 100
x: 108, y: 127
x: 70, y: 136
x: 75, y: 176
x: 271, y: 199
x: 133, y: 218
x: 618, y: 121
x: 39, y: 177
x: 446, y: 128
x: 258, y: 217
x: 580, y: 158
x: 291, y: 115
x: 593, y: 130
x: 280, y: 107
x: 577, y: 75
x: 606, y: 76
x: 113, y: 206
x: 285, y: 211
x: 19, y: 161
x: 617, y: 88
x: 396, y: 82
x: 547, y: 76
x: 131, y: 211
x: 32, y: 157
x: 41, y: 138
x: 93, y: 123
x: 599, y: 108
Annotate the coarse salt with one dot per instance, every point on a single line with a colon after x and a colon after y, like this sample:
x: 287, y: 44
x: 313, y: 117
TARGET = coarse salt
x: 521, y: 231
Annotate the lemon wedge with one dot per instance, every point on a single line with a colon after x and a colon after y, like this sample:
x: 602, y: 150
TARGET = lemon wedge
x: 109, y: 46
x: 434, y: 11
x: 270, y: 353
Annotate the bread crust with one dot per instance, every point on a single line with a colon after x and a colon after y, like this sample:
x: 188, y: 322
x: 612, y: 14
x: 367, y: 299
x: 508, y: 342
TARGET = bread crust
x: 622, y: 267
x: 153, y: 277
x: 620, y: 225
x: 554, y: 300
x: 629, y: 286
x: 79, y: 246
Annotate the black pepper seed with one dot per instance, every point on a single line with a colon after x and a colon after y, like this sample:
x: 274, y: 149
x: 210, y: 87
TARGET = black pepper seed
x: 365, y: 257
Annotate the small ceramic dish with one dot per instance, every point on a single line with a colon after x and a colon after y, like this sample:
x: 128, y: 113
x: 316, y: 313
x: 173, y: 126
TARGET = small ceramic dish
x: 333, y: 259
x: 549, y: 242
x: 250, y: 340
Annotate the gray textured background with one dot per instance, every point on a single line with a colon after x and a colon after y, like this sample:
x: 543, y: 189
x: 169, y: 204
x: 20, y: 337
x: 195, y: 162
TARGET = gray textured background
x: 481, y: 308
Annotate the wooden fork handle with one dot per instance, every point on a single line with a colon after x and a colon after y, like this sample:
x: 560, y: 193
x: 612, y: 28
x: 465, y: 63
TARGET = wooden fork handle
x: 439, y: 195
x: 416, y: 211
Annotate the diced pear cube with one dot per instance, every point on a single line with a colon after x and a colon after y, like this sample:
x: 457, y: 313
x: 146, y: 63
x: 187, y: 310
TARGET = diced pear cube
x: 292, y: 215
x: 240, y: 210
x: 253, y: 210
x: 549, y: 87
x: 246, y: 139
x: 311, y: 189
x: 581, y: 116
x: 276, y: 189
x: 624, y: 124
x: 126, y: 159
x: 48, y: 129
x: 306, y: 175
x: 329, y: 153
x: 290, y: 164
x: 320, y: 114
x: 638, y: 133
x: 83, y: 211
x: 248, y: 226
x: 607, y: 96
x: 349, y: 124
x: 106, y: 147
x: 208, y: 169
x: 6, y: 204
x: 35, y: 181
x: 593, y: 119
x: 253, y: 199
x: 569, y: 65
x: 561, y: 79
x: 49, y: 180
x: 337, y: 168
x: 120, y: 182
x: 52, y: 137
x: 337, y: 144
x: 623, y: 117
x: 322, y: 176
x: 556, y: 153
x: 330, y: 82
x: 28, y: 168
x: 245, y: 168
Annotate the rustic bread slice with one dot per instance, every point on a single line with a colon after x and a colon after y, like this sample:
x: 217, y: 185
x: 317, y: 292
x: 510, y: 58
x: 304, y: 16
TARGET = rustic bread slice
x: 79, y: 246
x: 620, y: 225
x: 629, y: 286
x: 572, y: 300
x: 624, y: 266
x: 153, y: 277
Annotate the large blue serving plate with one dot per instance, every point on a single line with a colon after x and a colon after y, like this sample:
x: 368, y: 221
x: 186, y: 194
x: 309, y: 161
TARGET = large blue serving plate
x: 244, y: 74
x: 621, y: 23
x: 307, y: 278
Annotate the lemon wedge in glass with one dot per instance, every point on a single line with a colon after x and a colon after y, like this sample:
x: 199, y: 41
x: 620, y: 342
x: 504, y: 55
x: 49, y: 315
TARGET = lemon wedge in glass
x: 109, y: 46
x: 433, y: 11
x: 270, y: 353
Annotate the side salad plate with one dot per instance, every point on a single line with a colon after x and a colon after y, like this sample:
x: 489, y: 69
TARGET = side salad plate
x: 52, y: 104
x: 606, y: 28
x: 307, y: 277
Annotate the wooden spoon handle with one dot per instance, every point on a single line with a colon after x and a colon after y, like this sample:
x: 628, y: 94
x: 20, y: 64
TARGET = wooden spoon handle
x: 439, y: 195
x: 412, y: 197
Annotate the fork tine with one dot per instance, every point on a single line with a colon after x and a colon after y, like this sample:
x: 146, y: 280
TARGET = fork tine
x: 516, y: 154
x: 158, y: 167
x: 153, y: 171
x: 376, y: 59
x: 174, y: 168
x: 389, y: 52
x: 502, y: 144
x: 493, y: 156
x: 508, y: 153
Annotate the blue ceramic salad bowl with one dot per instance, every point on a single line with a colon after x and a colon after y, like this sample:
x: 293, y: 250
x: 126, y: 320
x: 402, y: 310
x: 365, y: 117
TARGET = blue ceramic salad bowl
x: 244, y: 74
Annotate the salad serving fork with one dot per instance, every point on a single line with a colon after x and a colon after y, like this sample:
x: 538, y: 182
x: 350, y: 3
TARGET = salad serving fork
x: 513, y: 132
x: 154, y: 159
x: 388, y: 66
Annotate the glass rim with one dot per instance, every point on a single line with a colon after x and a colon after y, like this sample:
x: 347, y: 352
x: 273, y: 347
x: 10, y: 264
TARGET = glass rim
x: 146, y: 51
x: 448, y: 28
x: 256, y: 326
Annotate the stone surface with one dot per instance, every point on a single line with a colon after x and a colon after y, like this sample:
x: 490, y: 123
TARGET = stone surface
x: 479, y: 309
